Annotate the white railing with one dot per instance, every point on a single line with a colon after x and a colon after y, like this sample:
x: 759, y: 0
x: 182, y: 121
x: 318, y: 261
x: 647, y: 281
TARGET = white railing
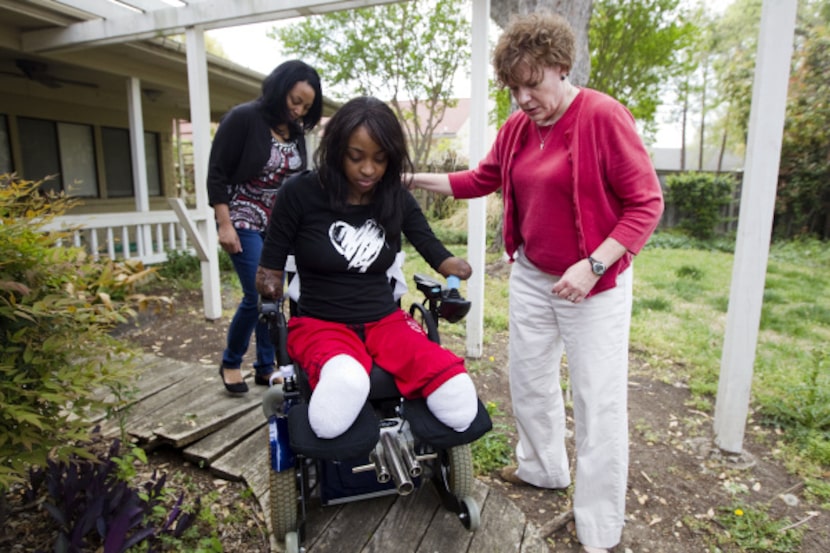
x: 145, y: 236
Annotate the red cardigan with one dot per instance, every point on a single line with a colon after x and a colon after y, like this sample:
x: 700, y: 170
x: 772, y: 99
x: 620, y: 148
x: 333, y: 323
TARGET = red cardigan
x: 616, y: 192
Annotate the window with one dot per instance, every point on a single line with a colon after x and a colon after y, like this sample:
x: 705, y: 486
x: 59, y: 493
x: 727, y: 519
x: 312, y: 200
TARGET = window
x: 39, y: 149
x: 62, y: 149
x: 77, y: 154
x: 68, y: 151
x: 117, y: 162
x: 151, y: 155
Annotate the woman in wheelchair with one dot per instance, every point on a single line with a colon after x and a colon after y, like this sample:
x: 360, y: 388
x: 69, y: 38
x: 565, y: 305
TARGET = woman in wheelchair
x: 344, y: 224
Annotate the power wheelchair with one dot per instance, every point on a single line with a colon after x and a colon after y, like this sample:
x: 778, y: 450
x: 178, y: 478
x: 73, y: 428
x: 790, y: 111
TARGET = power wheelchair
x: 393, y: 447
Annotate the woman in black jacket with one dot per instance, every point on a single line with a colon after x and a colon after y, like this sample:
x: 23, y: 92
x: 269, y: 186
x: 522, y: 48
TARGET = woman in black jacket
x: 257, y: 146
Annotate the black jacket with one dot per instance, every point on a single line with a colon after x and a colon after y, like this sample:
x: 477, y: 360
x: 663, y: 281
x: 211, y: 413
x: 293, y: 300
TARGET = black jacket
x: 240, y: 150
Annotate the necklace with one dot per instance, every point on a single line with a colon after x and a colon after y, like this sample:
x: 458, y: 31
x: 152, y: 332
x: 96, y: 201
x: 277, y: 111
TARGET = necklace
x: 541, y: 139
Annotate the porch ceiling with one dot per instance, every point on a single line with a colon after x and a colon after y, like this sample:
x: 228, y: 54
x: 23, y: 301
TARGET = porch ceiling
x: 93, y: 70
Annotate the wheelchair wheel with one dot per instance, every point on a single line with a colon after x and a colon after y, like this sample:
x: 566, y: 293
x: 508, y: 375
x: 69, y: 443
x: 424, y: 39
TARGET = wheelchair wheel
x: 283, y: 488
x: 470, y: 514
x: 424, y: 318
x: 460, y: 471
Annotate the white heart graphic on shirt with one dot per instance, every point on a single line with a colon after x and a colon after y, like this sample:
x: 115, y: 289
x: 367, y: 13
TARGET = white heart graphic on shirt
x: 360, y: 246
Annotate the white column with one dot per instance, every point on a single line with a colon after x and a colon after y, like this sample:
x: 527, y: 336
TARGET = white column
x: 766, y: 127
x: 197, y: 81
x: 477, y: 208
x: 139, y: 164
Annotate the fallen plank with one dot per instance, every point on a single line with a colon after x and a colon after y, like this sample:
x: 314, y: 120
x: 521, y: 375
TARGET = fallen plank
x: 214, y: 445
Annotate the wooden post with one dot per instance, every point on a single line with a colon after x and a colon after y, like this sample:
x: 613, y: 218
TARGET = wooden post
x: 135, y: 113
x: 197, y: 82
x: 766, y: 126
x: 477, y: 208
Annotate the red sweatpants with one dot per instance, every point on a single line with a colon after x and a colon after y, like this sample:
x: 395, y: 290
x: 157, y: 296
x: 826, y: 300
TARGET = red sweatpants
x: 397, y: 343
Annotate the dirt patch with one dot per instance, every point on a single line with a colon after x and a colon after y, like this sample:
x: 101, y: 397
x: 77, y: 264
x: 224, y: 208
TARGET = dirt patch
x: 678, y: 485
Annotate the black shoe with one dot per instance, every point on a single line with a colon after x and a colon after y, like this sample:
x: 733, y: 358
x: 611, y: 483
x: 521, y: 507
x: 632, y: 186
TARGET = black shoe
x: 236, y: 387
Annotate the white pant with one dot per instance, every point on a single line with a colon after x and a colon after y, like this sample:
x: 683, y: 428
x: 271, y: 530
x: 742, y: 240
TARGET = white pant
x: 594, y: 335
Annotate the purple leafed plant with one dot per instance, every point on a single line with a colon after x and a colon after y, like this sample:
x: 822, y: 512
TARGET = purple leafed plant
x: 94, y: 508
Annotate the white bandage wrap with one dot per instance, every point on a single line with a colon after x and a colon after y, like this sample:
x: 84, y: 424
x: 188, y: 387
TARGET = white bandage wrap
x: 455, y: 402
x: 339, y: 396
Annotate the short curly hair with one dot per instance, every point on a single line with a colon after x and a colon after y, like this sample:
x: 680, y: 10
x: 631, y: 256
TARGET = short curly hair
x: 534, y: 41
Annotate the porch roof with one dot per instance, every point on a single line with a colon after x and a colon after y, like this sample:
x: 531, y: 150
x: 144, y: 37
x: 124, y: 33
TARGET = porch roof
x: 88, y: 47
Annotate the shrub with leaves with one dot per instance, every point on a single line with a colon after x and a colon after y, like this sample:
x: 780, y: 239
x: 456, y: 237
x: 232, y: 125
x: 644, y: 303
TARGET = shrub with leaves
x: 698, y: 199
x: 57, y: 306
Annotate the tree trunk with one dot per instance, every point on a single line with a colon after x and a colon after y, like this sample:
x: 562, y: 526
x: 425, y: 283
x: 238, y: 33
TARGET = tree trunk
x: 577, y: 12
x: 702, y: 119
x: 683, y: 128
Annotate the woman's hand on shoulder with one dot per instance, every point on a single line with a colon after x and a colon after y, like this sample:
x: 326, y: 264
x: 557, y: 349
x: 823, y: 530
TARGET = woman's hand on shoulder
x: 455, y: 266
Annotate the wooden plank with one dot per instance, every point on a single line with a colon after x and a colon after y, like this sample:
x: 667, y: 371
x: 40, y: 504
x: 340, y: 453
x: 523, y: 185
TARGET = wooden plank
x: 216, y: 444
x: 502, y: 522
x: 157, y: 373
x: 256, y: 468
x: 446, y: 533
x: 405, y: 523
x: 353, y: 526
x: 166, y: 383
x: 247, y: 455
x: 152, y: 374
x: 174, y: 413
x: 318, y: 520
x: 203, y: 412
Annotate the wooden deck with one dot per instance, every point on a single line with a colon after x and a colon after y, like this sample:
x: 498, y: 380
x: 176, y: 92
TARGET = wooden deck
x: 185, y: 406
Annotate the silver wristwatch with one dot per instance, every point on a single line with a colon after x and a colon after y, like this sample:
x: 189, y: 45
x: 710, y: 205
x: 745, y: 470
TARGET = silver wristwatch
x: 597, y: 267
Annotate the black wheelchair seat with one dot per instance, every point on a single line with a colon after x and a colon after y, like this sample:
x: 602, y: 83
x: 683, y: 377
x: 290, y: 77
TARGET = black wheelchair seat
x: 356, y: 442
x: 364, y: 433
x: 427, y: 428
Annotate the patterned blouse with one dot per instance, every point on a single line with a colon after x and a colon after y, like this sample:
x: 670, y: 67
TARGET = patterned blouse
x: 251, y: 202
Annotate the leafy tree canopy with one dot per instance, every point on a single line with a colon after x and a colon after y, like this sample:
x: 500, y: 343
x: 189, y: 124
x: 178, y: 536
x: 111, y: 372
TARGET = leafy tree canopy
x: 803, y: 203
x: 405, y: 53
x: 635, y: 49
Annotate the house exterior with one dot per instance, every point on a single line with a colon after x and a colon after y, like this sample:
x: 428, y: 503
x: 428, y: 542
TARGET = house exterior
x: 67, y: 113
x: 90, y: 91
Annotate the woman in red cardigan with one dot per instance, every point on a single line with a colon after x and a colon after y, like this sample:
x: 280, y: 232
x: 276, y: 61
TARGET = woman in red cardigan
x: 581, y: 198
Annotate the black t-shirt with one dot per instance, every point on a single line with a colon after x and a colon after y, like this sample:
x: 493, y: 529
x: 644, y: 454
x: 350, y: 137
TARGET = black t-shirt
x: 342, y: 257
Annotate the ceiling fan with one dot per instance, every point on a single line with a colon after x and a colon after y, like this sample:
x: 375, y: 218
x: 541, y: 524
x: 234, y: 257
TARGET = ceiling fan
x: 39, y: 72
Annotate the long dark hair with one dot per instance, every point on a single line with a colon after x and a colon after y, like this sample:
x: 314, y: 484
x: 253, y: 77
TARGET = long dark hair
x: 385, y: 129
x: 273, y: 103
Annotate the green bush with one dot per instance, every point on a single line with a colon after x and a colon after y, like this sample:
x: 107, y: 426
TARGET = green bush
x: 698, y: 199
x: 56, y: 308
